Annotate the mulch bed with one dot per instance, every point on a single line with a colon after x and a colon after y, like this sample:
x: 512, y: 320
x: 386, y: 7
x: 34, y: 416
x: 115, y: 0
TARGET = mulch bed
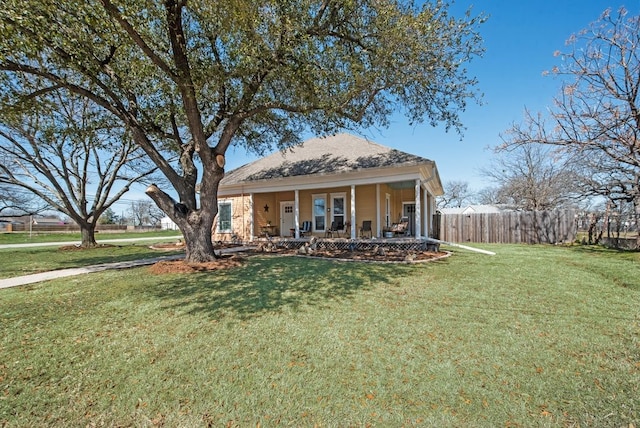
x: 81, y: 248
x: 234, y: 260
x: 180, y: 266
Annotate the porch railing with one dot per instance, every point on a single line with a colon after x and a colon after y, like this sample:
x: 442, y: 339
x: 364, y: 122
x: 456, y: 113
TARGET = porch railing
x: 404, y: 244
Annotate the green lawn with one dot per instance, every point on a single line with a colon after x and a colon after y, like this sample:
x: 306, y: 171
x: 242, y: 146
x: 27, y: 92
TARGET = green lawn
x: 27, y: 238
x: 534, y: 336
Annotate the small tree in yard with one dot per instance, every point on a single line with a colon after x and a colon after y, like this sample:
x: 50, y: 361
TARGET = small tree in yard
x: 596, y: 118
x: 145, y: 213
x: 108, y: 217
x: 70, y: 154
x: 531, y: 178
x: 193, y: 78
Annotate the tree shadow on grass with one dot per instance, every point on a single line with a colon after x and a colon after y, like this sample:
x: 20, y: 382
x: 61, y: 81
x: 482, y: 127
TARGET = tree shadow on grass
x: 273, y: 284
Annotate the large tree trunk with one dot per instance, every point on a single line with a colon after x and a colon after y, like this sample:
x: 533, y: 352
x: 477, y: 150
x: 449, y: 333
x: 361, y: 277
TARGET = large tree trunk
x: 195, y: 225
x: 88, y: 232
x: 197, y: 238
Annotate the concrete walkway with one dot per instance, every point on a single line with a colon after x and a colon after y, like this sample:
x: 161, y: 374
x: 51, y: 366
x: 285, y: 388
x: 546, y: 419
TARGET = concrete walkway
x: 63, y: 273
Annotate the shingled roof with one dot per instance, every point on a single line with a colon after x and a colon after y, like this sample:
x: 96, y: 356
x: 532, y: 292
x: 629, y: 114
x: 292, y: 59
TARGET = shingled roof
x: 336, y: 154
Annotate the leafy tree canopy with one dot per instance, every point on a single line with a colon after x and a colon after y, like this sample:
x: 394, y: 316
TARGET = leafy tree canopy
x: 193, y: 78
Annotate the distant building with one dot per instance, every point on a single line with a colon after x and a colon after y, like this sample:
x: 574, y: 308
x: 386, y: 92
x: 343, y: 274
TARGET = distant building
x: 48, y: 221
x: 17, y: 223
x: 167, y: 224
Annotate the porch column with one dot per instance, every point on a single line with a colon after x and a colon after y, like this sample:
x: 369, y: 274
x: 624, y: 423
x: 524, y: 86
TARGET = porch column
x: 353, y: 211
x: 251, y: 232
x: 378, y: 231
x: 296, y: 213
x: 418, y: 217
x: 432, y: 212
x: 425, y: 216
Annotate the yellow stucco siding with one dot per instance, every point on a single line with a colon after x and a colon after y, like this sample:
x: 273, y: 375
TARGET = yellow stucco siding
x: 305, y: 206
x: 366, y: 207
x: 264, y: 209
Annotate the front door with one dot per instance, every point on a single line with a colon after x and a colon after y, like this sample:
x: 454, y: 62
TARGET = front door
x: 287, y: 219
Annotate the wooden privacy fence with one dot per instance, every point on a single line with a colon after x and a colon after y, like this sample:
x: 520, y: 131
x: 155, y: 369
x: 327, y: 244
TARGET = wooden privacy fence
x: 513, y: 227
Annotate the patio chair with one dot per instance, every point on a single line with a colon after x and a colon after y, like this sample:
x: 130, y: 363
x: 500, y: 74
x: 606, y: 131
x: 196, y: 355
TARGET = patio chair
x: 401, y: 228
x: 347, y: 229
x: 366, y: 229
x: 335, y: 228
x: 405, y: 222
x: 305, y: 229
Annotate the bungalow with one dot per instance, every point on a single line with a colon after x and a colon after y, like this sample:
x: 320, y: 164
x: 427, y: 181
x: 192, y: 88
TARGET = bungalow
x: 341, y: 185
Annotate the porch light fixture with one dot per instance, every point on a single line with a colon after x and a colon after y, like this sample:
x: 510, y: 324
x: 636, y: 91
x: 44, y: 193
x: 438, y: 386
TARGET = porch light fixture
x: 266, y: 208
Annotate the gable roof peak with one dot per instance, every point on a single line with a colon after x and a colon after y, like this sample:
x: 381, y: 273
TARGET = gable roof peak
x: 335, y: 154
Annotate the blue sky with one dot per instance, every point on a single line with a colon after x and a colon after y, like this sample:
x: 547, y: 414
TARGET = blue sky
x: 520, y: 38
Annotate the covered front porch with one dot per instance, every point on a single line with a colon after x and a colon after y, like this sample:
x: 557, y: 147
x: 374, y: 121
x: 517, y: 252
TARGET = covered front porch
x: 338, y: 186
x: 396, y: 209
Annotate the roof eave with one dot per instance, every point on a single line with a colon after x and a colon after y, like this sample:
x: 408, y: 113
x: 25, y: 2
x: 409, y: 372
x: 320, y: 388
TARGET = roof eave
x: 320, y: 180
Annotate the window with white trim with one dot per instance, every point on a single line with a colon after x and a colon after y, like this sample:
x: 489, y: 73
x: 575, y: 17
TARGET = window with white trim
x: 224, y: 217
x: 319, y: 212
